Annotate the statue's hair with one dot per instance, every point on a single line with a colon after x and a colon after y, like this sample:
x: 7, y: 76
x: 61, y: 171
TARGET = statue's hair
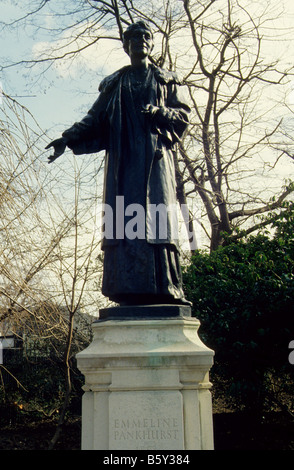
x: 130, y: 30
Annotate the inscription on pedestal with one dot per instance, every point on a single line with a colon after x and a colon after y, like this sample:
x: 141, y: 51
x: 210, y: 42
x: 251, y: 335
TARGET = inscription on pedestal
x: 146, y: 420
x: 146, y: 429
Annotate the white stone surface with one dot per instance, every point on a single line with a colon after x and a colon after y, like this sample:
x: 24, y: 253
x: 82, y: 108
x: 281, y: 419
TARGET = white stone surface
x: 146, y: 420
x: 146, y: 386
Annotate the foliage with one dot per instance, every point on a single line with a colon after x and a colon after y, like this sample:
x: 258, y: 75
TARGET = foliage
x: 243, y: 295
x: 33, y: 388
x: 33, y: 378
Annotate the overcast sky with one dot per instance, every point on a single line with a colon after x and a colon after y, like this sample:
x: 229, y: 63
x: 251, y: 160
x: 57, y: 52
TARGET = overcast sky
x: 62, y: 93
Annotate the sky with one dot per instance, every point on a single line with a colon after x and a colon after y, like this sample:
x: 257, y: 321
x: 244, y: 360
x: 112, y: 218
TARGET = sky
x: 62, y: 94
x: 65, y: 92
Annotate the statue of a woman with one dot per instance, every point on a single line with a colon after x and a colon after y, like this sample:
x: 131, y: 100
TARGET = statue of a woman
x: 137, y: 119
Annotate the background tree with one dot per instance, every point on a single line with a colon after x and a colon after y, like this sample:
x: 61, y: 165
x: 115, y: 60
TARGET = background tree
x: 49, y: 257
x: 231, y: 71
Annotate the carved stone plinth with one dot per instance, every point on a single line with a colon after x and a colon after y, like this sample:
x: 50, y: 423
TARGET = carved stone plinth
x: 146, y: 382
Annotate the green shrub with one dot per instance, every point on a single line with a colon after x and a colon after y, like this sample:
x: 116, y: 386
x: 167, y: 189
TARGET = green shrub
x: 32, y: 388
x: 243, y: 295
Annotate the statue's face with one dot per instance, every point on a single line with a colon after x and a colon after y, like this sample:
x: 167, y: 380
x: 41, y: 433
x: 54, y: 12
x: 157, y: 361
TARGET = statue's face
x: 140, y: 43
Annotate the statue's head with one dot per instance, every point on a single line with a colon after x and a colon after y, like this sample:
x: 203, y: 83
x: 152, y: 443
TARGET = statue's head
x: 135, y: 29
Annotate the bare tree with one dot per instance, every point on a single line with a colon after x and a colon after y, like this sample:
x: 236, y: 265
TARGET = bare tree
x: 231, y: 77
x: 21, y: 196
x: 50, y: 244
x: 75, y: 269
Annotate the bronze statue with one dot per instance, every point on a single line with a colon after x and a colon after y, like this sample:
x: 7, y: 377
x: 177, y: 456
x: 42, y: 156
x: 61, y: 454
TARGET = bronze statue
x: 137, y: 119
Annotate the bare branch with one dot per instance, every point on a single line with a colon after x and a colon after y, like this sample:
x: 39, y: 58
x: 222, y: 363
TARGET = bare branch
x: 261, y: 210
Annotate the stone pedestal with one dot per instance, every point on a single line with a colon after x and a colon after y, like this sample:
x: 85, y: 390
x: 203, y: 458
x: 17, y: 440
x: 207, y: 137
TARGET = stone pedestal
x: 146, y: 382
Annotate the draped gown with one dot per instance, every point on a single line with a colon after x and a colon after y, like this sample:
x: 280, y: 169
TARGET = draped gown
x: 140, y: 170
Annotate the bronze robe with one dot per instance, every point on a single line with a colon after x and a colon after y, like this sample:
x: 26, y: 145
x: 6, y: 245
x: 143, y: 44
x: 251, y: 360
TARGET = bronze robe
x: 139, y: 167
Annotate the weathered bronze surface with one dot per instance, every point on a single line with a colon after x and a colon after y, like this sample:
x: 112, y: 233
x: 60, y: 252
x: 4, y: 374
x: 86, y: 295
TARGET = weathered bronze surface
x: 138, y: 118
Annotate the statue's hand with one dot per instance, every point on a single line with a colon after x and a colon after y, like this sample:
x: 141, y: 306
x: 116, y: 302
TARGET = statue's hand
x: 59, y: 146
x: 150, y: 110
